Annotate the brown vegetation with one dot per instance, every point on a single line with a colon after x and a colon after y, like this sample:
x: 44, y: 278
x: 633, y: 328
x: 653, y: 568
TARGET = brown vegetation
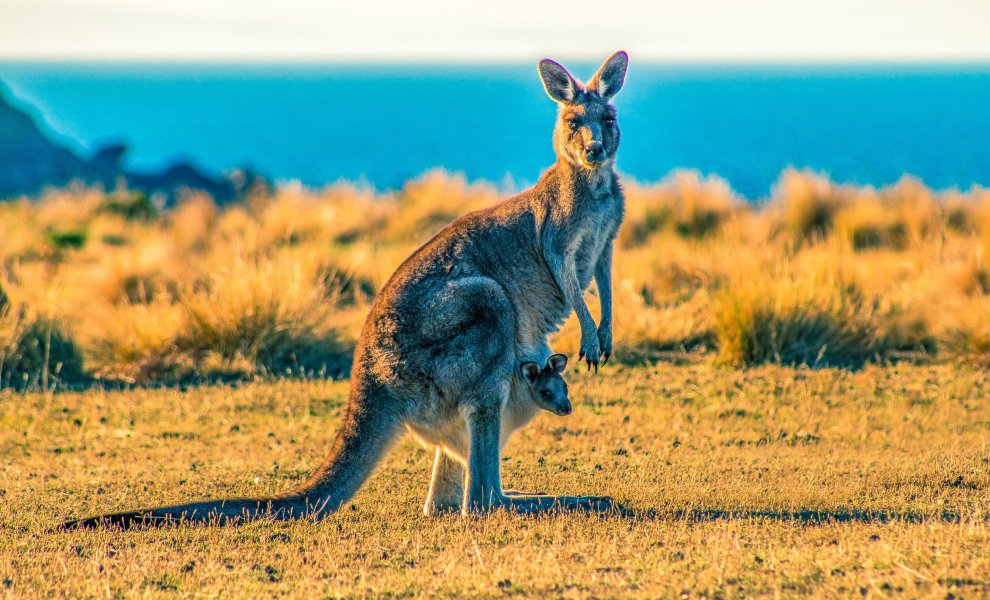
x: 103, y: 286
x: 762, y: 482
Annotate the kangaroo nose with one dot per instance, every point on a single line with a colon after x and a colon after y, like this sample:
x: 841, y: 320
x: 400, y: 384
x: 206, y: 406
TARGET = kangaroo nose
x: 594, y: 152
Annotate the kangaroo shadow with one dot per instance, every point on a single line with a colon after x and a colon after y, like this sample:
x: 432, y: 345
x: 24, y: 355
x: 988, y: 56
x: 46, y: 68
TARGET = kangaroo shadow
x: 809, y: 517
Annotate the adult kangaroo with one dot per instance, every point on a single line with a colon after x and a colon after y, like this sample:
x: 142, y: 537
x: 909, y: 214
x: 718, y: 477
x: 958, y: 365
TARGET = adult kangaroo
x: 441, y: 348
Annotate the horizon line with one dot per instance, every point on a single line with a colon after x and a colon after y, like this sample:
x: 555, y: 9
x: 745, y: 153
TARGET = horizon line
x: 754, y: 60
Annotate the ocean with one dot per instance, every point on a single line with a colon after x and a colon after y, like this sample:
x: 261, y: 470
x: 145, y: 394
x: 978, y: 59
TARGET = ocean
x: 382, y: 125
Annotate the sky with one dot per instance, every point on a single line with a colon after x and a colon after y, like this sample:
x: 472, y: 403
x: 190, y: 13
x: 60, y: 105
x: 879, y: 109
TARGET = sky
x: 499, y: 30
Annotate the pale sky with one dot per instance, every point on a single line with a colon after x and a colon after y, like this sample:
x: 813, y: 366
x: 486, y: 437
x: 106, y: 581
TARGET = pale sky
x: 466, y: 30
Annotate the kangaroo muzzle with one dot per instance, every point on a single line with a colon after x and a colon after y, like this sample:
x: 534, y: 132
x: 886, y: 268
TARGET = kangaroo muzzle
x: 594, y: 152
x: 564, y: 408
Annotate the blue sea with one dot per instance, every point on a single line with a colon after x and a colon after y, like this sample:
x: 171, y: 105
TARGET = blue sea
x: 384, y: 124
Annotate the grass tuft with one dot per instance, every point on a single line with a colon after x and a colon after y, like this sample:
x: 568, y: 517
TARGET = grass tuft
x: 267, y: 315
x: 36, y: 352
x: 804, y: 205
x: 966, y: 336
x: 800, y: 319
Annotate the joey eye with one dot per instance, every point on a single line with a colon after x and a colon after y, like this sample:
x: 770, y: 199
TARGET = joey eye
x: 609, y: 121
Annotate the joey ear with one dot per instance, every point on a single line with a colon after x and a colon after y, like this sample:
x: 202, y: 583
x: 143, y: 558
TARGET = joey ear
x: 610, y: 77
x: 557, y: 362
x: 558, y: 83
x: 530, y: 371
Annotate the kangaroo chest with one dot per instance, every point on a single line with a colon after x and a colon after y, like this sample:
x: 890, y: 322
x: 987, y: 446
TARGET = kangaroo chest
x: 596, y: 224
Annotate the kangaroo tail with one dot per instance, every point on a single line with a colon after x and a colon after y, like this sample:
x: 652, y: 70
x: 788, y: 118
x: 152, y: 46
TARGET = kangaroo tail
x: 369, y: 428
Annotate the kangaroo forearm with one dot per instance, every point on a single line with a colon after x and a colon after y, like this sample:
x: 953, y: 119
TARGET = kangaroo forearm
x: 603, y: 279
x: 576, y: 299
x: 605, y: 294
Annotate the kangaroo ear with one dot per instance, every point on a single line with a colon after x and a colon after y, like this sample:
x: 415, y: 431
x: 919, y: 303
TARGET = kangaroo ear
x: 557, y: 362
x: 530, y: 371
x: 558, y: 82
x: 610, y: 77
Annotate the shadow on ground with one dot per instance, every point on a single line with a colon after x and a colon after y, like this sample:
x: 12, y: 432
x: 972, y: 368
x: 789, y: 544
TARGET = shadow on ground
x: 800, y: 516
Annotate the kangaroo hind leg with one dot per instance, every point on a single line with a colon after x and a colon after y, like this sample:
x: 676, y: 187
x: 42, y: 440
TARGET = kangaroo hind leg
x: 483, y: 484
x: 446, y: 485
x: 483, y: 489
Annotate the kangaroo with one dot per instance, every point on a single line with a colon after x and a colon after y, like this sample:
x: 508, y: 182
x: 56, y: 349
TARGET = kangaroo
x: 438, y: 351
x: 533, y: 389
x: 547, y: 388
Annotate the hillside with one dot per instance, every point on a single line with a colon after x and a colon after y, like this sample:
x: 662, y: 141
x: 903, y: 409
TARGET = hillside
x: 30, y: 161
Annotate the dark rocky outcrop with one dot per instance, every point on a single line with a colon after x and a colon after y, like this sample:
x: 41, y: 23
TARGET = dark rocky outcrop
x: 30, y: 161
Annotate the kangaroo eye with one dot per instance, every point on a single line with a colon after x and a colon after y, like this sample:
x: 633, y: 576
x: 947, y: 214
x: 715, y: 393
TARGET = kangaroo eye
x: 609, y: 121
x: 545, y: 393
x: 573, y: 124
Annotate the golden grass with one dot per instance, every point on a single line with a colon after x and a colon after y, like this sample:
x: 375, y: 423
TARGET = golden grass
x: 821, y: 274
x: 767, y: 481
x: 756, y: 481
x: 814, y: 319
x: 35, y: 350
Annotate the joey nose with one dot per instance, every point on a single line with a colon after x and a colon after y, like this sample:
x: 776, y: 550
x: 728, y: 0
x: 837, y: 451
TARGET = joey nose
x: 594, y: 152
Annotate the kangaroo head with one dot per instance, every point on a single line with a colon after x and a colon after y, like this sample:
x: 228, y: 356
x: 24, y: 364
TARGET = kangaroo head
x: 587, y: 131
x: 546, y: 386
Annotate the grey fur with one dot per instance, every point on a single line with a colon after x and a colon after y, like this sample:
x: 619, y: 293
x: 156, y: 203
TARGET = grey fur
x: 439, y: 351
x: 546, y: 388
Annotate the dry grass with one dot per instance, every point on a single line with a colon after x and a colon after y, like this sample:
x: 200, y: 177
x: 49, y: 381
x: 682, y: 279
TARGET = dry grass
x: 769, y: 481
x: 35, y: 351
x: 821, y: 274
x: 808, y: 318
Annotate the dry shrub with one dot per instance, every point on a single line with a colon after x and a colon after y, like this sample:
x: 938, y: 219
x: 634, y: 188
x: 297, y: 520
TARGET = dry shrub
x: 137, y: 343
x: 983, y: 221
x: 236, y: 230
x: 263, y: 316
x: 349, y: 214
x: 868, y: 223
x: 966, y: 213
x: 430, y: 202
x: 795, y: 318
x: 903, y: 215
x: 192, y: 221
x: 135, y: 274
x: 21, y: 238
x: 971, y: 275
x: 35, y: 350
x: 345, y: 286
x: 904, y: 321
x: 130, y: 204
x: 289, y: 219
x: 70, y: 209
x: 804, y: 205
x: 645, y: 332
x: 965, y: 333
x: 916, y: 208
x: 684, y: 203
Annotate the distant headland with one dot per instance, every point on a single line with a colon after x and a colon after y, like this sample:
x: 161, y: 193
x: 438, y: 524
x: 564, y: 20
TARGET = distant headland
x: 31, y: 161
